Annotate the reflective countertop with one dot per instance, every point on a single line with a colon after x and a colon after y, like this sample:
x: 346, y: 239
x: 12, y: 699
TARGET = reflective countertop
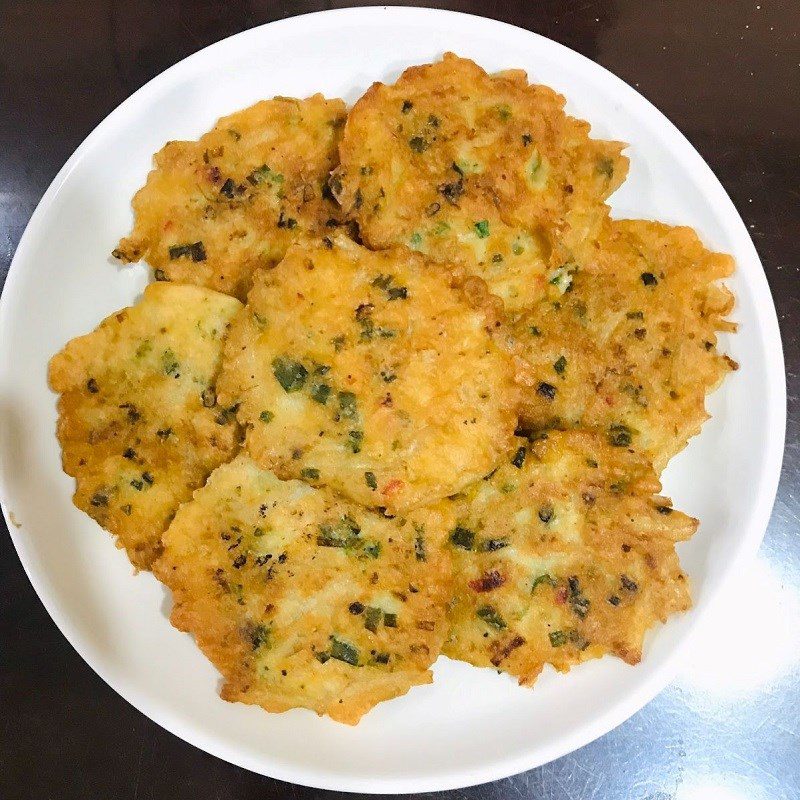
x: 728, y: 74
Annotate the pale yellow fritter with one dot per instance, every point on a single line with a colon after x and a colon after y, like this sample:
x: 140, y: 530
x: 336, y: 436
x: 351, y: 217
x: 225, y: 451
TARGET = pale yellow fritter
x: 564, y: 553
x: 626, y: 339
x: 368, y: 372
x: 137, y: 422
x: 485, y: 171
x: 215, y: 210
x: 301, y: 599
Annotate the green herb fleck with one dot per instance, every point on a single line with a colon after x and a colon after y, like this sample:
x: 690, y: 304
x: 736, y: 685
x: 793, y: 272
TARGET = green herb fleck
x: 419, y: 547
x: 196, y: 251
x: 354, y: 441
x: 266, y: 416
x: 560, y: 365
x: 260, y: 636
x: 482, y: 228
x: 557, y: 638
x: 462, y: 537
x: 371, y: 480
x: 343, y: 651
x: 320, y: 392
x: 169, y: 362
x: 264, y: 174
x: 491, y: 617
x: 619, y: 436
x: 539, y: 579
x: 347, y: 405
x: 578, y: 602
x: 372, y: 618
x: 372, y: 549
x: 397, y: 293
x: 290, y: 374
x: 491, y: 545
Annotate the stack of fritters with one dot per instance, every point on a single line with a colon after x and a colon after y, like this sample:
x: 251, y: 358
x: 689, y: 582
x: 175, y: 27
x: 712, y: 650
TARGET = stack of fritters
x: 437, y: 422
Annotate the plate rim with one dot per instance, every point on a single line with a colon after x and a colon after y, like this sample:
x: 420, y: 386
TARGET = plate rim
x: 752, y: 533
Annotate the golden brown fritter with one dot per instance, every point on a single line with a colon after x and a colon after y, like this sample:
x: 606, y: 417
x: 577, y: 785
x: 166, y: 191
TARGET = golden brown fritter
x: 215, y: 210
x: 137, y: 422
x: 484, y: 171
x: 564, y: 553
x: 625, y: 340
x: 368, y: 372
x: 301, y: 599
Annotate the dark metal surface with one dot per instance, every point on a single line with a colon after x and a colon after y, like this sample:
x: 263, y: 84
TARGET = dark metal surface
x: 728, y: 74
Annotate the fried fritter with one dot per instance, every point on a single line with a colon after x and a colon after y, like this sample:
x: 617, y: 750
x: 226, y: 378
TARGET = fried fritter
x: 626, y: 340
x: 137, y: 423
x: 301, y: 599
x: 485, y: 171
x: 565, y: 553
x: 215, y: 210
x: 368, y: 372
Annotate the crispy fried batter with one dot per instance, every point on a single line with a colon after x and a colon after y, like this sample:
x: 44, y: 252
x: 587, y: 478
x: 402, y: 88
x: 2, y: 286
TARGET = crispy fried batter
x: 626, y: 339
x: 485, y: 171
x: 369, y: 373
x: 215, y: 210
x: 564, y: 553
x: 301, y: 599
x: 136, y: 422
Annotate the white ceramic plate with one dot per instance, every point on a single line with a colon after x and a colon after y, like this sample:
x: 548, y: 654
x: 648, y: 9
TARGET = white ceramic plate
x: 471, y: 725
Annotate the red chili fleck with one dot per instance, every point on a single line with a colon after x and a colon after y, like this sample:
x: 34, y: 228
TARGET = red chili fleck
x: 561, y: 596
x: 168, y: 224
x: 392, y: 487
x: 491, y: 580
x: 214, y: 174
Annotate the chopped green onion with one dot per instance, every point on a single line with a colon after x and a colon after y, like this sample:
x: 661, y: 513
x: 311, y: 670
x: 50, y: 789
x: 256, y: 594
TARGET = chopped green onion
x: 320, y: 392
x: 462, y: 537
x: 343, y: 651
x: 290, y: 374
x: 196, y: 251
x: 491, y: 617
x: 557, y: 638
x: 619, y: 436
x: 373, y: 618
x: 519, y: 457
x: 544, y: 578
